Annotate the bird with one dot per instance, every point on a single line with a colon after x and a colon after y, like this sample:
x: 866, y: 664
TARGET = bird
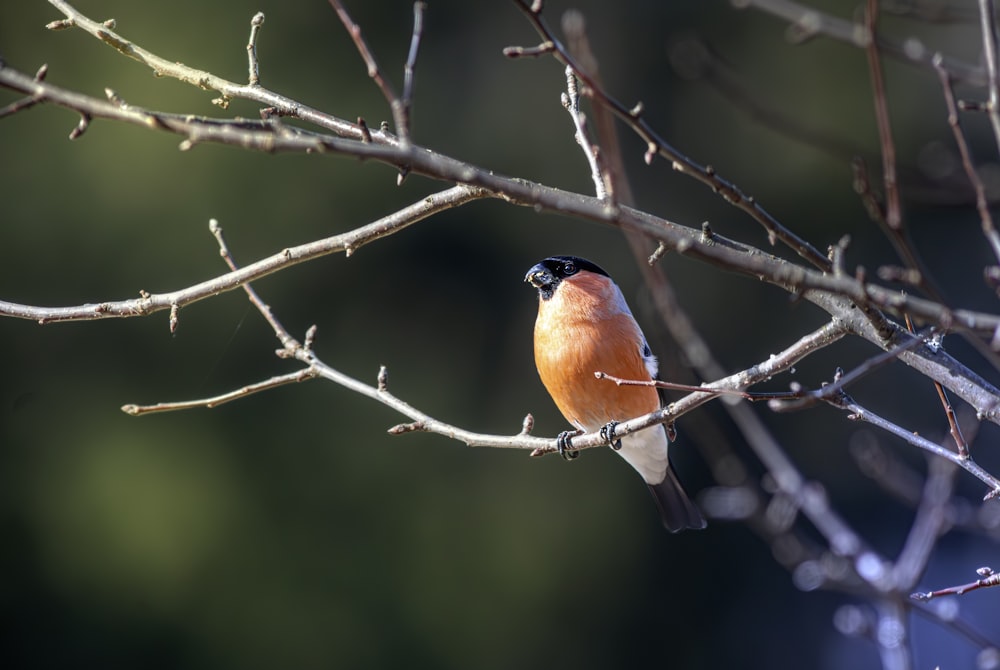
x: 585, y: 326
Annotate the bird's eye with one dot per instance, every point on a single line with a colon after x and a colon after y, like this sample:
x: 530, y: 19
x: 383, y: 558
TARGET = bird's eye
x: 569, y: 269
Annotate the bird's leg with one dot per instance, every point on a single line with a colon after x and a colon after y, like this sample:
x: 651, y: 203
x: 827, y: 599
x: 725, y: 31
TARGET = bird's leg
x: 608, y: 434
x: 564, y: 444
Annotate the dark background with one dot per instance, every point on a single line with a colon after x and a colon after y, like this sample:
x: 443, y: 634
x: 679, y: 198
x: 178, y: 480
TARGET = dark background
x: 288, y: 529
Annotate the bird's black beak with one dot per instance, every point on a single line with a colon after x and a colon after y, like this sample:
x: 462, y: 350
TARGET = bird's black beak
x: 542, y: 278
x: 539, y: 276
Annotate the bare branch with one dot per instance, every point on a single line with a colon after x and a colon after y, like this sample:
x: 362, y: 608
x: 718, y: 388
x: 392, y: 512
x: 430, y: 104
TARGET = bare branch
x: 165, y: 67
x: 841, y: 381
x: 571, y: 101
x: 399, y: 111
x: 989, y: 579
x: 346, y: 242
x: 988, y: 22
x: 982, y: 204
x: 208, y: 403
x: 859, y: 413
x: 658, y: 146
x: 411, y: 59
x: 893, y: 215
x: 255, y: 23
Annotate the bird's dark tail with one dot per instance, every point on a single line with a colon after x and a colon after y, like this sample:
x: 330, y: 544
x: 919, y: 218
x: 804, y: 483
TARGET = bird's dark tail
x: 676, y: 509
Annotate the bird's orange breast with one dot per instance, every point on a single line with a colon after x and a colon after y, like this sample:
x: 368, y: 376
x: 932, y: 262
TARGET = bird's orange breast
x: 585, y: 328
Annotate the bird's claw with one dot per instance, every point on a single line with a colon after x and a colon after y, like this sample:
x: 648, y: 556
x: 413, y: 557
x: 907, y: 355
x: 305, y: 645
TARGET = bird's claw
x: 608, y: 435
x: 564, y: 444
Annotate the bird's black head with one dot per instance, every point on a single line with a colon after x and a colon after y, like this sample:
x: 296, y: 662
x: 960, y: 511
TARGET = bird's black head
x: 546, y: 275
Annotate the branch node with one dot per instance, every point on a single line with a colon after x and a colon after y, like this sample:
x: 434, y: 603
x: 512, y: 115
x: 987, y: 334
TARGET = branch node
x: 529, y: 52
x: 81, y: 127
x: 836, y: 254
x: 651, y: 150
x: 401, y: 428
x: 706, y: 232
x: 366, y: 135
x: 255, y: 23
x: 61, y: 24
x: 114, y: 98
x: 661, y: 249
x: 527, y: 425
x: 307, y: 343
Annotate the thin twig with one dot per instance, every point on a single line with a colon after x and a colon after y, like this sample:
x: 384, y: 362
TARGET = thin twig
x: 988, y: 22
x: 255, y: 23
x: 982, y: 204
x: 893, y: 213
x: 859, y: 413
x: 571, y: 102
x: 302, y: 375
x: 283, y: 335
x: 347, y: 242
x: 842, y: 380
x: 411, y: 59
x: 395, y: 103
x: 956, y: 432
x: 989, y: 579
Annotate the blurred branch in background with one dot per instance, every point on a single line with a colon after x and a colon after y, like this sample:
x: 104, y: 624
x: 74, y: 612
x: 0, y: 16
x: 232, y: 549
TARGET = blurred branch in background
x: 764, y: 488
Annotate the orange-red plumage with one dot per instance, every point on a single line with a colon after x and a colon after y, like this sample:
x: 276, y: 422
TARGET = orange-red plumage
x: 584, y: 326
x: 577, y: 333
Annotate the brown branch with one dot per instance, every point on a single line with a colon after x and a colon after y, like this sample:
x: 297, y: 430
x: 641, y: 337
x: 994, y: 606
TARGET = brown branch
x: 989, y: 579
x: 409, y: 68
x: 893, y: 214
x: 842, y: 380
x: 982, y: 204
x: 399, y: 109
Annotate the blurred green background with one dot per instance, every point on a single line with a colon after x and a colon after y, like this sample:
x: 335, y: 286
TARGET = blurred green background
x: 288, y: 529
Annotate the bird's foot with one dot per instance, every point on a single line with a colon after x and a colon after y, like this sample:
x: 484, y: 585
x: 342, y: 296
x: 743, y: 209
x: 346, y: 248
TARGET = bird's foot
x: 564, y: 444
x: 608, y: 434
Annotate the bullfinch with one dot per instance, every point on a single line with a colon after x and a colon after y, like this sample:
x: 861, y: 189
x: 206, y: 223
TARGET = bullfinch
x: 585, y: 326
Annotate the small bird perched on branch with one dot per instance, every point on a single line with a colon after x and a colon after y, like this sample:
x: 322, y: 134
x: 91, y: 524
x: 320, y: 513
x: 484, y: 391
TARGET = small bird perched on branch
x: 584, y: 326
